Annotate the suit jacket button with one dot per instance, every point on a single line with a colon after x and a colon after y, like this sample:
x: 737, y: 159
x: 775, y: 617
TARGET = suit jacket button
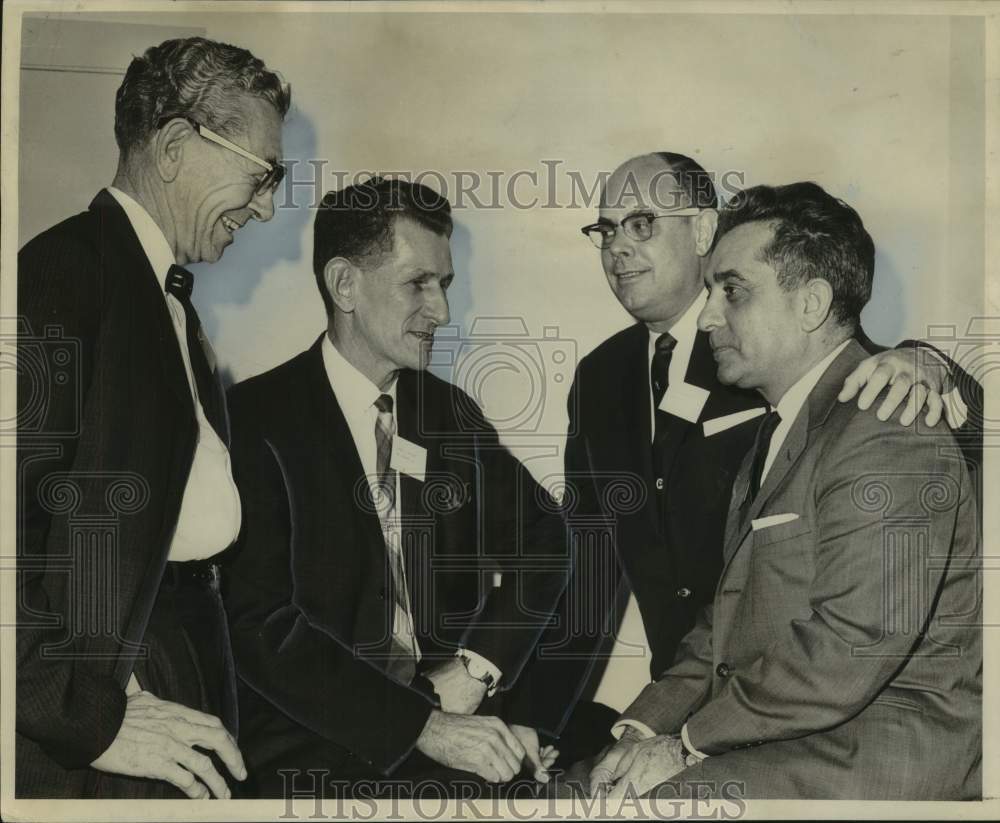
x: 723, y: 670
x: 381, y: 593
x: 659, y: 484
x: 684, y: 592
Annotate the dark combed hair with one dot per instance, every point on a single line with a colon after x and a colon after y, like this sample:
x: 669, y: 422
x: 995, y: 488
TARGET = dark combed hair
x: 692, y: 179
x: 356, y: 223
x: 195, y: 78
x: 815, y: 235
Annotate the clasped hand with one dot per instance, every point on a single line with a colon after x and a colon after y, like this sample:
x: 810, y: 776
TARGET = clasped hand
x: 637, y: 766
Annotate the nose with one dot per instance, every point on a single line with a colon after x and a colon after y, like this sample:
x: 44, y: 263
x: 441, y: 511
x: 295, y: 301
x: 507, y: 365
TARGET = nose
x: 262, y: 206
x: 436, y: 307
x: 710, y: 317
x: 621, y: 243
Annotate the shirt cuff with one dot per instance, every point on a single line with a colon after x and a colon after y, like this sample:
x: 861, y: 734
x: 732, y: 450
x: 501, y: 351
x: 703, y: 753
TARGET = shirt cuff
x: 619, y: 729
x: 687, y: 744
x: 481, y: 662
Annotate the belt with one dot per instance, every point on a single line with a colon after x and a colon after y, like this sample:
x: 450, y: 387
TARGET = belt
x: 204, y: 572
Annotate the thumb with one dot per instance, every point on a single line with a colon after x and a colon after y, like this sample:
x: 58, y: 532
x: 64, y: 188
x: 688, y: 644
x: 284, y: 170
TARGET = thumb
x: 538, y: 768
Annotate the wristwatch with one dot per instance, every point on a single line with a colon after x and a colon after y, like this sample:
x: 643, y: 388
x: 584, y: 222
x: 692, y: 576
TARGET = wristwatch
x: 477, y: 670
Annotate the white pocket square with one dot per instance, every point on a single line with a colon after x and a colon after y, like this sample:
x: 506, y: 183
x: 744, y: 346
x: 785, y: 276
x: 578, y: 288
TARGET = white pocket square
x: 727, y: 421
x: 772, y: 520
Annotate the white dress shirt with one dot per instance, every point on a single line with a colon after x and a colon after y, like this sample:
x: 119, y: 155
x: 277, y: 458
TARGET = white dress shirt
x: 356, y: 396
x: 210, y: 513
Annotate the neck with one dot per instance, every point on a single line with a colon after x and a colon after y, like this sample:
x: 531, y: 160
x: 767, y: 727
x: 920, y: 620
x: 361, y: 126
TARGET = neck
x: 667, y: 323
x: 812, y: 352
x: 145, y: 188
x: 360, y: 356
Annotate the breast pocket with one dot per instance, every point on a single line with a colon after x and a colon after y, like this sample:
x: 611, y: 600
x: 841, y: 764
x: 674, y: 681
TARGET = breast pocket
x: 781, y: 532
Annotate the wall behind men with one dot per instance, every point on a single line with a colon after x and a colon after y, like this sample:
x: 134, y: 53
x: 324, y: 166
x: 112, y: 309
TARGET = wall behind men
x: 886, y: 112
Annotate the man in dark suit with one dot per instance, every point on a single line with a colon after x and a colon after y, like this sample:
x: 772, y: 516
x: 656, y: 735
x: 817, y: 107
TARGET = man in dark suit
x: 125, y: 493
x: 379, y: 509
x: 655, y: 440
x: 841, y: 655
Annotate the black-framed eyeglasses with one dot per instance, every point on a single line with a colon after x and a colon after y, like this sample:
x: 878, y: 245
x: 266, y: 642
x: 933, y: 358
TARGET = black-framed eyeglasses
x: 638, y: 226
x: 274, y: 172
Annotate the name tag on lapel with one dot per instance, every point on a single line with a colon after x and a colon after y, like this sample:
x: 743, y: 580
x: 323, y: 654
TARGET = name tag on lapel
x: 408, y: 458
x: 684, y: 401
x: 727, y: 421
x: 772, y: 520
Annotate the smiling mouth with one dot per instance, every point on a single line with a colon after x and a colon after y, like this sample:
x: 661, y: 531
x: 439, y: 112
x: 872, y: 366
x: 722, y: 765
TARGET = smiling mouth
x: 230, y: 224
x: 424, y: 336
x: 626, y: 276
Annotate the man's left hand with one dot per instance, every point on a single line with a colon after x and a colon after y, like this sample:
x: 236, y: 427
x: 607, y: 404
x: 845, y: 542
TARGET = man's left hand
x: 647, y: 764
x: 460, y: 693
x: 911, y: 375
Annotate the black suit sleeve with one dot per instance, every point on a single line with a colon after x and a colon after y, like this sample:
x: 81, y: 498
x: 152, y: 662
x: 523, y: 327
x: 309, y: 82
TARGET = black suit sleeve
x: 524, y: 537
x: 567, y: 651
x: 69, y: 708
x: 280, y: 652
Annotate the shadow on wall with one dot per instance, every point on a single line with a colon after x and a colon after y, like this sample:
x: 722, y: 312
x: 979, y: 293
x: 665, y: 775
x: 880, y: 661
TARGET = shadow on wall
x: 884, y: 318
x: 259, y: 248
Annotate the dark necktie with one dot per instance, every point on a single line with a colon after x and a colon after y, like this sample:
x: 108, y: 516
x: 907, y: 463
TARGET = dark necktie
x: 402, y: 661
x: 761, y: 447
x: 660, y: 367
x: 180, y: 283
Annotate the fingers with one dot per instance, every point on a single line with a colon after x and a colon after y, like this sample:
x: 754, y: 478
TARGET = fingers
x: 549, y: 756
x: 510, y: 746
x: 222, y: 743
x: 602, y: 774
x: 856, y: 379
x: 185, y: 781
x: 935, y: 408
x: 199, y: 765
x: 896, y: 394
x: 914, y: 403
x: 877, y: 380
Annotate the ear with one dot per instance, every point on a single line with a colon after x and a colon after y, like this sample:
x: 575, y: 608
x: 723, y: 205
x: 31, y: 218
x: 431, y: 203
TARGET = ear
x: 704, y: 230
x: 817, y: 300
x: 340, y: 276
x: 168, y: 147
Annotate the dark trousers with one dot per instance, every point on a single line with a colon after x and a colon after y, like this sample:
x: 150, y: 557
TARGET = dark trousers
x: 188, y: 660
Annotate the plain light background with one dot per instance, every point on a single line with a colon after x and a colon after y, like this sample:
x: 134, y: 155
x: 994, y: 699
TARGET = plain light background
x: 884, y: 111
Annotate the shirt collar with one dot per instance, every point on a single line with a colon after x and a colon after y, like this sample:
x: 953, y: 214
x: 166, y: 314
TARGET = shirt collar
x: 151, y: 238
x: 355, y: 393
x: 793, y: 399
x: 686, y: 327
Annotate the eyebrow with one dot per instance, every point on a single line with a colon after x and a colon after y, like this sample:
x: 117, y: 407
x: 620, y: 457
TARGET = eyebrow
x: 638, y: 210
x: 728, y: 274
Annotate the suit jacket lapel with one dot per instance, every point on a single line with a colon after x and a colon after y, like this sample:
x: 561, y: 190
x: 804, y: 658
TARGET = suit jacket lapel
x: 352, y: 501
x: 811, y: 416
x: 122, y: 237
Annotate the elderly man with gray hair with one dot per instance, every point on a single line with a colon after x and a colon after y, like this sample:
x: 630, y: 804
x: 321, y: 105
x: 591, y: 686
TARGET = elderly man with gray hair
x: 125, y: 684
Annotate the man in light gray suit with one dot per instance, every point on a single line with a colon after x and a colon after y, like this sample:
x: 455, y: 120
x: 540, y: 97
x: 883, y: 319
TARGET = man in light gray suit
x: 841, y: 657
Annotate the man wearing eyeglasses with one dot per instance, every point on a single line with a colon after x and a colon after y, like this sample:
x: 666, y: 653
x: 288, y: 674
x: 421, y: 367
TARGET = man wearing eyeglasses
x: 125, y: 684
x: 673, y: 431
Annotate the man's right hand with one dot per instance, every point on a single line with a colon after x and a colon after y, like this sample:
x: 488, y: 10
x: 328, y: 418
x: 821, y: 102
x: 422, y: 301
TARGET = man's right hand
x: 157, y: 740
x: 482, y: 745
x: 602, y: 776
